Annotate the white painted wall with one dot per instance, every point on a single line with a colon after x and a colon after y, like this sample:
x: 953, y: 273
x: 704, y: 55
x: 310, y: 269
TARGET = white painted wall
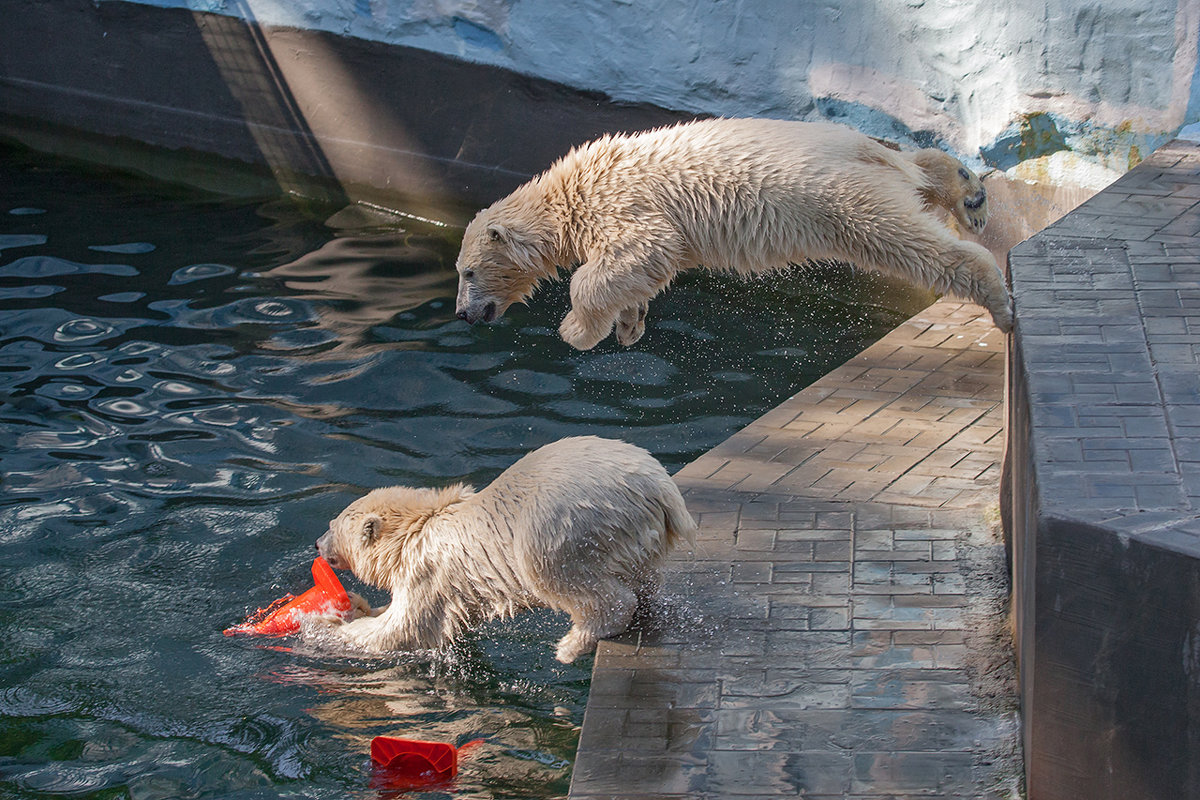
x: 1115, y: 77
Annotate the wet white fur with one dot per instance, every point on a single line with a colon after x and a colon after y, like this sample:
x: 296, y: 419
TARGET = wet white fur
x: 580, y: 525
x: 629, y: 212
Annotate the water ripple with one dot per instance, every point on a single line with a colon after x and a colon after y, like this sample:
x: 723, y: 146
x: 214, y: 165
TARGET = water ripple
x: 122, y: 297
x: 18, y: 701
x: 123, y: 407
x: 127, y: 248
x: 274, y: 311
x: 199, y: 272
x: 531, y: 382
x: 66, y: 390
x: 80, y: 361
x: 58, y: 327
x: 29, y: 292
x: 79, y: 330
x: 20, y: 240
x: 49, y: 266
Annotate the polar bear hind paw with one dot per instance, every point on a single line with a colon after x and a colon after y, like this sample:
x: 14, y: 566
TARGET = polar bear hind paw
x: 631, y: 324
x: 576, y: 643
x: 581, y: 333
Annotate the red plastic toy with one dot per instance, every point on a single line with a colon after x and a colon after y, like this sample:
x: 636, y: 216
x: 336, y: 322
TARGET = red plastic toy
x: 283, y: 616
x: 410, y: 763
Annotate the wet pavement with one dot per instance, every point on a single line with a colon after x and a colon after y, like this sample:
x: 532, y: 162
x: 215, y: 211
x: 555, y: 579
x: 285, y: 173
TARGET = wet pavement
x: 839, y: 630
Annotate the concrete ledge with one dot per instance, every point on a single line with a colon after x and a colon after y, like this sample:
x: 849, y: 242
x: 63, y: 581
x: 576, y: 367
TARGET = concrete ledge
x: 1104, y: 452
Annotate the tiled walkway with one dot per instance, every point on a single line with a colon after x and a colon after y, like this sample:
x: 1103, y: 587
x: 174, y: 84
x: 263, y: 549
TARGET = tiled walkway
x: 840, y: 628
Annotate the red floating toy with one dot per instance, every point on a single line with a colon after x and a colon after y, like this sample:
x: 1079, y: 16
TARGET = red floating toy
x: 410, y: 764
x: 283, y: 616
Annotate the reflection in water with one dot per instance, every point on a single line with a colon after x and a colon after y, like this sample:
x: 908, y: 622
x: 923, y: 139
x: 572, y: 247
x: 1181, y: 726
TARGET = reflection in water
x: 190, y: 388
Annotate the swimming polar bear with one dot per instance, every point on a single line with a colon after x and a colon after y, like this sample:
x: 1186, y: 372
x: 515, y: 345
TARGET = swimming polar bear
x: 627, y: 213
x: 580, y: 525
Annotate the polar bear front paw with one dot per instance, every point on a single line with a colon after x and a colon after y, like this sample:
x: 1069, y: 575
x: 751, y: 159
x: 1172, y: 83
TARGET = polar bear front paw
x: 971, y: 200
x: 576, y: 332
x: 1002, y: 316
x: 359, y: 607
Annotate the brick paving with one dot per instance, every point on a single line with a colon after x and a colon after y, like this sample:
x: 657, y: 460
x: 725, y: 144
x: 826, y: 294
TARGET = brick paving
x: 1109, y: 346
x: 838, y: 630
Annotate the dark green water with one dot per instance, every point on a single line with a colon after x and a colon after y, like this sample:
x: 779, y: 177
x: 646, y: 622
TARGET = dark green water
x: 191, y: 387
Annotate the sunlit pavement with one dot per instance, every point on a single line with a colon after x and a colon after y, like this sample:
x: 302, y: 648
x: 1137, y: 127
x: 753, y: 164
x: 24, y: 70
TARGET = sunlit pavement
x: 840, y: 628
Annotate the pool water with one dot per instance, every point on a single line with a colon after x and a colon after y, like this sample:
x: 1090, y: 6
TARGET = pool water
x: 191, y: 386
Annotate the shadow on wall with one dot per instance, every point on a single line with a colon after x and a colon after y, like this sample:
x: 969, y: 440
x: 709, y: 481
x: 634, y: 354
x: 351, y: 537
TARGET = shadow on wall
x: 373, y: 121
x: 311, y: 115
x: 273, y: 115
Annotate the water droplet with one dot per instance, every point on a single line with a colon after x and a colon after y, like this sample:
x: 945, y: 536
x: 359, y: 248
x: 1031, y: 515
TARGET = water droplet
x: 532, y: 382
x: 639, y: 369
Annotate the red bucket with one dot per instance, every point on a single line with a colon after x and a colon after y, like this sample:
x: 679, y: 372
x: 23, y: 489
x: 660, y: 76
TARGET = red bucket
x: 283, y: 616
x: 402, y: 764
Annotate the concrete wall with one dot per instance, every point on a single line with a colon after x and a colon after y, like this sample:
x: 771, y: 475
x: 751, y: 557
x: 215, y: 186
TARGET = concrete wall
x: 443, y: 105
x: 1104, y: 489
x: 998, y: 82
x: 194, y: 97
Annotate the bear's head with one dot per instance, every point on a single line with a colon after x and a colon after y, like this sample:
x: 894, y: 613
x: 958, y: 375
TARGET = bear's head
x: 370, y: 536
x: 507, y: 250
x: 955, y: 187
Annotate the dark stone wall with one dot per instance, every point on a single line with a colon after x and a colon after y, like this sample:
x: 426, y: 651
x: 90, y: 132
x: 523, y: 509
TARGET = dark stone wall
x: 363, y: 118
x: 1104, y: 454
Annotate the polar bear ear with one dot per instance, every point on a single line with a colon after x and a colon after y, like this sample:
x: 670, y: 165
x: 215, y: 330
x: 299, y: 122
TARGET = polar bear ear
x: 371, y: 526
x: 497, y: 233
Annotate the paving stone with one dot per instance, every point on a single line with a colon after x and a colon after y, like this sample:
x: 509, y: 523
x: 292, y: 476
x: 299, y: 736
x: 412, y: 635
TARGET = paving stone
x: 828, y: 647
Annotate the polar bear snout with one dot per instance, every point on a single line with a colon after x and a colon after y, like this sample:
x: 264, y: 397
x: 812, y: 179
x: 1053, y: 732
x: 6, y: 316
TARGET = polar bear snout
x: 326, y: 551
x: 474, y: 303
x: 477, y: 313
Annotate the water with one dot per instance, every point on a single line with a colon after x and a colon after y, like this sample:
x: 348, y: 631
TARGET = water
x: 191, y: 386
